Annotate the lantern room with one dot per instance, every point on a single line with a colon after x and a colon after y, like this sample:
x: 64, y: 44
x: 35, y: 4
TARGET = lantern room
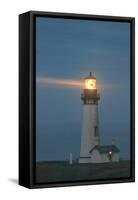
x: 90, y: 82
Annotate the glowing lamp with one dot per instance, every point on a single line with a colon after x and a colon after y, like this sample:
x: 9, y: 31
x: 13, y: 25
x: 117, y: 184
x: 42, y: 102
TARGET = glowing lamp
x: 90, y: 82
x: 110, y: 152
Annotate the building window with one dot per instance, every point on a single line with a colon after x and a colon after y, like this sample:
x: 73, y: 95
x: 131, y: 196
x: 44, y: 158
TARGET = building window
x: 96, y: 131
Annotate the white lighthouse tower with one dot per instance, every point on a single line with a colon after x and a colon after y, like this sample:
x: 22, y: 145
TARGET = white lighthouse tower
x: 91, y: 151
x: 90, y: 129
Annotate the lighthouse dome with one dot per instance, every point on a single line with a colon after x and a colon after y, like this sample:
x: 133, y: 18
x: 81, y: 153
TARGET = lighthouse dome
x: 90, y: 76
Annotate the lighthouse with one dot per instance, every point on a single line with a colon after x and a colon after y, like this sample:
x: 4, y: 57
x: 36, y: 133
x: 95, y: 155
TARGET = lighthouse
x: 91, y: 151
x: 90, y: 128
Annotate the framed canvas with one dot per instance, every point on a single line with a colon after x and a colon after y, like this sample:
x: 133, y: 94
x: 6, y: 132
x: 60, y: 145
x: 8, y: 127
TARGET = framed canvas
x: 76, y: 99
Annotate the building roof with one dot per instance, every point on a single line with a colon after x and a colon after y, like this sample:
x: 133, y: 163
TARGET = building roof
x: 90, y: 76
x: 105, y: 148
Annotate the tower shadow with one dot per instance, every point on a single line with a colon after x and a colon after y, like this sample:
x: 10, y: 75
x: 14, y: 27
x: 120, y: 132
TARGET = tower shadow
x: 13, y: 180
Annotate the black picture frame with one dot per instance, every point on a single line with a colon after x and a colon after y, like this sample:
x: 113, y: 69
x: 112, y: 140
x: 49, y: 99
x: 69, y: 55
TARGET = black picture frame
x: 27, y: 97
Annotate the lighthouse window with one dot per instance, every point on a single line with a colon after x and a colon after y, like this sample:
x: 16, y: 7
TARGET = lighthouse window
x: 95, y: 131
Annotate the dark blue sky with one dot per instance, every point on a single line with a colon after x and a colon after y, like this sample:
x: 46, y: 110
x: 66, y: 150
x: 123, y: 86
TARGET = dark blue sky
x: 70, y: 49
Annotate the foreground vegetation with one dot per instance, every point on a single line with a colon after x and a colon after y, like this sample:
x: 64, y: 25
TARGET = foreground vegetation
x: 62, y: 171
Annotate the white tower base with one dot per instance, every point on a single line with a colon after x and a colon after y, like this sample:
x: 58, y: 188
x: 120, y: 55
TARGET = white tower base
x: 90, y: 136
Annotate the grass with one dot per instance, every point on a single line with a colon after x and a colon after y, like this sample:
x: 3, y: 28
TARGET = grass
x: 56, y: 171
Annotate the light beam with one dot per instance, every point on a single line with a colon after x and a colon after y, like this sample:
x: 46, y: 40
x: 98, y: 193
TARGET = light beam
x: 60, y: 82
